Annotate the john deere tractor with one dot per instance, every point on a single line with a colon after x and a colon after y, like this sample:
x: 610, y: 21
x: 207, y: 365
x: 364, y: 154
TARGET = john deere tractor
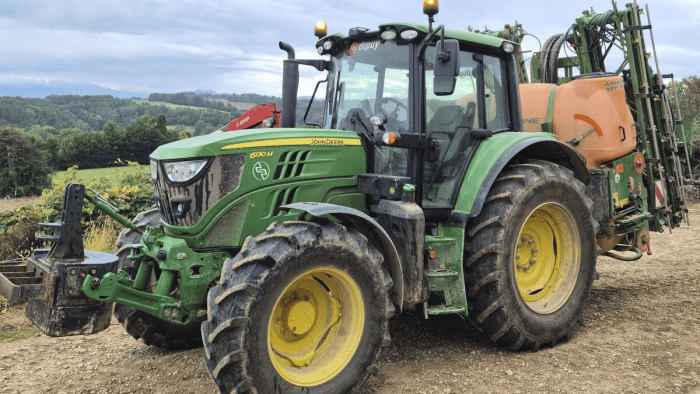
x: 285, y: 252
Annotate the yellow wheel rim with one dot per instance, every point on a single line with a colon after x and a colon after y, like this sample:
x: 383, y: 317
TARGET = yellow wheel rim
x: 547, y: 258
x: 316, y: 326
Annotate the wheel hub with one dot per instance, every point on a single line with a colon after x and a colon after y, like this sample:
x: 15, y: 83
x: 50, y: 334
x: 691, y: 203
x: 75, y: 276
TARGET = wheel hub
x: 546, y: 258
x: 298, y: 317
x: 310, y: 338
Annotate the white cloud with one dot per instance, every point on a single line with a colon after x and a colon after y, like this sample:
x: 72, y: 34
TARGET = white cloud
x: 231, y: 46
x: 674, y: 50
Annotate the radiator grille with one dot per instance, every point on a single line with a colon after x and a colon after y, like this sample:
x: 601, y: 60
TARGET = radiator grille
x: 221, y: 178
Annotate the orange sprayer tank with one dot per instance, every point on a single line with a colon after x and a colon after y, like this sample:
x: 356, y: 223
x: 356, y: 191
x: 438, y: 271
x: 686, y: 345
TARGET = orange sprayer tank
x: 590, y: 110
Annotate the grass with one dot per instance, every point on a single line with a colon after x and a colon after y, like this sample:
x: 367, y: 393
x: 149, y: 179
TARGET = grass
x: 86, y: 176
x: 13, y: 335
x: 101, y: 235
x: 13, y: 324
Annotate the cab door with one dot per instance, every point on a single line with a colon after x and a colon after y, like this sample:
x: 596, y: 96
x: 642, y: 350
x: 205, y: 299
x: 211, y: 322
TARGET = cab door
x: 455, y: 124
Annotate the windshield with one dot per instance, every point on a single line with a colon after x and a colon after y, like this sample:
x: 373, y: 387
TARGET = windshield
x: 371, y: 79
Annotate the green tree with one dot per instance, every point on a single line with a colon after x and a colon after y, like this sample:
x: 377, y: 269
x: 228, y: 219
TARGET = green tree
x: 23, y: 170
x: 689, y: 97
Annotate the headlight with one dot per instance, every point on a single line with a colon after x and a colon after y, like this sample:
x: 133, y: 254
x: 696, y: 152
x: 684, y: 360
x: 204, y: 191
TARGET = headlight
x: 409, y: 34
x: 184, y: 171
x: 154, y: 170
x: 327, y: 45
x: 319, y: 50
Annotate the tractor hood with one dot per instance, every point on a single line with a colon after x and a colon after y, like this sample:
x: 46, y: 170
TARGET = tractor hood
x: 228, y: 142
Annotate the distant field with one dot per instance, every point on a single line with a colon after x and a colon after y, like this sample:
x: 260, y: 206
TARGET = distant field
x: 8, y: 204
x: 169, y: 105
x: 187, y: 129
x: 239, y: 106
x: 86, y: 176
x: 242, y: 106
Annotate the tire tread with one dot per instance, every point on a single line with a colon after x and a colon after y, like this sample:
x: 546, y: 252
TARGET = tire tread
x: 230, y: 303
x: 484, y: 259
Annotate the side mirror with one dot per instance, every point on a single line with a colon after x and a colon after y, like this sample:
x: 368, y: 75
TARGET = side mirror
x: 445, y: 67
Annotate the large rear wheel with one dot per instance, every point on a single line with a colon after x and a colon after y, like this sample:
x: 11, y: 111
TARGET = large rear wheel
x: 531, y: 261
x: 303, y: 306
x: 154, y: 331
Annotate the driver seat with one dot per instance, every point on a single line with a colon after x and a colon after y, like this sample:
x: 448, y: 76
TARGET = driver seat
x: 446, y: 119
x: 457, y: 146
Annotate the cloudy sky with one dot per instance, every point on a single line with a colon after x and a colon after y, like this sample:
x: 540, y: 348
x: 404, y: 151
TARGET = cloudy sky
x: 231, y: 46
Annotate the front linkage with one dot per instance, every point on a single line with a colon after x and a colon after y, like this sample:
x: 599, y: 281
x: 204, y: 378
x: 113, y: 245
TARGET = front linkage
x: 183, y: 278
x: 68, y: 290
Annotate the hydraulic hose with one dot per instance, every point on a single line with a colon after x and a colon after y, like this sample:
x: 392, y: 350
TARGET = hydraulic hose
x: 625, y: 258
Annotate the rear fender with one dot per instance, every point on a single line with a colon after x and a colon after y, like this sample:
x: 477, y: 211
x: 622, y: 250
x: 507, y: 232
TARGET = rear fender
x: 494, y: 154
x: 368, y: 227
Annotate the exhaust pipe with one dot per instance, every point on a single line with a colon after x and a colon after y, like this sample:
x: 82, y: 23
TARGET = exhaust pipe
x: 290, y: 87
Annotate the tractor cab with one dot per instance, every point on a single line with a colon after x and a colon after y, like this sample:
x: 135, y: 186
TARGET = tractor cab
x: 421, y: 100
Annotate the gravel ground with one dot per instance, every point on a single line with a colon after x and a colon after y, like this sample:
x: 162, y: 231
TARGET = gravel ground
x: 640, y: 335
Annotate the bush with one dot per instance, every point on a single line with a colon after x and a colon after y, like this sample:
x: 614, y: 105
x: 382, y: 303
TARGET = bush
x: 23, y: 170
x: 19, y: 239
x: 133, y: 197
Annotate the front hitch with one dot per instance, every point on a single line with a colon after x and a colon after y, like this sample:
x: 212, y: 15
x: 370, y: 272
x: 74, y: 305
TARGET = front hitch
x: 70, y: 291
x: 50, y: 281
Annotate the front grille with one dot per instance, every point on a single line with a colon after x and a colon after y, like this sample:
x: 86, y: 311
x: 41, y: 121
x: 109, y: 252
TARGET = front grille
x: 195, y: 199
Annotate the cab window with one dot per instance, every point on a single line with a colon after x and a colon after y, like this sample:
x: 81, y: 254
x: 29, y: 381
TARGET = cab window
x: 450, y: 119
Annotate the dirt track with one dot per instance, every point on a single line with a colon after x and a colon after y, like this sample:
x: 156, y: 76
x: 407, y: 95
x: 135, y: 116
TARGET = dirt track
x: 640, y: 335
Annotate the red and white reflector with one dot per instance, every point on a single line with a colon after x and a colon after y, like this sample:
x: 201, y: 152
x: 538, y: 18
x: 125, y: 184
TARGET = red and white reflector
x: 660, y: 193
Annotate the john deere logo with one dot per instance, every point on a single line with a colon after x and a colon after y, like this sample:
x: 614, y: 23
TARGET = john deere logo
x: 261, y: 171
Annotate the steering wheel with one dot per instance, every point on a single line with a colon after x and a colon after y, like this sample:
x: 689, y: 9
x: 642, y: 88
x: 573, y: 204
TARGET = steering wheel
x: 393, y: 122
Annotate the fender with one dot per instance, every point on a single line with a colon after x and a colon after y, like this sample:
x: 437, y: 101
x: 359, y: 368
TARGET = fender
x: 494, y: 154
x: 368, y: 227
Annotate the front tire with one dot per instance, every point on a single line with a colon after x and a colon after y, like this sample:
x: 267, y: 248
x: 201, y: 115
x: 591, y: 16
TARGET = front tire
x: 531, y: 261
x: 304, y: 305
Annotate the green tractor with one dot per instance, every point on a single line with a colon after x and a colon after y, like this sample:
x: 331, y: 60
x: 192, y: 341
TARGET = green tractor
x: 285, y: 252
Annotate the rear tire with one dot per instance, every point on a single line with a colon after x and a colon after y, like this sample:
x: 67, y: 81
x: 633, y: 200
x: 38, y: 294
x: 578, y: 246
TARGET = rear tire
x: 531, y: 259
x: 154, y: 331
x: 274, y: 324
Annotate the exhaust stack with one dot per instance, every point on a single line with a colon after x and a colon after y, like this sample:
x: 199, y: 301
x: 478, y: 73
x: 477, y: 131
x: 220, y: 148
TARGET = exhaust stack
x: 290, y: 87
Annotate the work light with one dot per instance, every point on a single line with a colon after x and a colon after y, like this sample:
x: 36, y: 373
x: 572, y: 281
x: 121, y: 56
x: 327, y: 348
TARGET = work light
x: 409, y: 34
x: 389, y: 34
